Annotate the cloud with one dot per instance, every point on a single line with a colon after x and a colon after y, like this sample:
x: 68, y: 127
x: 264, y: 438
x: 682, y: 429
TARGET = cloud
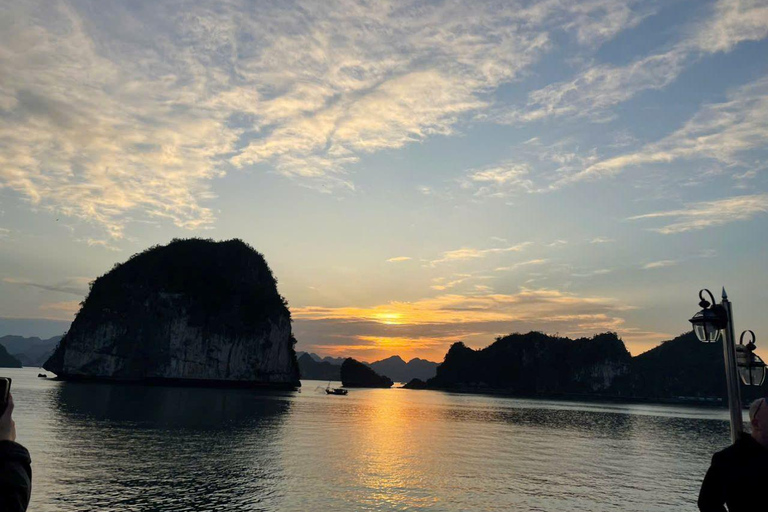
x: 660, y: 264
x: 62, y: 310
x: 538, y: 261
x: 596, y: 272
x: 121, y: 114
x: 499, y: 181
x: 105, y: 244
x: 4, y: 232
x: 468, y: 253
x: 722, y: 131
x: 457, y: 309
x: 733, y: 21
x: 706, y: 214
x: 73, y: 285
x: 399, y: 259
x: 548, y: 163
x: 436, y: 322
x: 601, y: 240
x: 595, y: 90
x: 592, y: 92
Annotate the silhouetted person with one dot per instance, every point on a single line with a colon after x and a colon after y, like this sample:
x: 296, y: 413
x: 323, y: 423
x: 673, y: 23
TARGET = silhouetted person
x: 741, y: 470
x: 15, y: 471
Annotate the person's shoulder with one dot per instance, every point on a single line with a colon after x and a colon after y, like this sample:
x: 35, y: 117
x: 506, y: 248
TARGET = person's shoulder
x: 744, y: 445
x: 13, y: 450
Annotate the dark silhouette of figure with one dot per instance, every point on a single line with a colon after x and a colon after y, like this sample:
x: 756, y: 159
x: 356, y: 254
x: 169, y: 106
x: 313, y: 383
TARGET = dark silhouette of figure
x: 15, y: 470
x: 739, y: 470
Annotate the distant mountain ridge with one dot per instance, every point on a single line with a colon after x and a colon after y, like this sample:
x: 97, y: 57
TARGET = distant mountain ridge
x: 312, y: 366
x: 398, y: 370
x: 7, y: 360
x: 31, y: 351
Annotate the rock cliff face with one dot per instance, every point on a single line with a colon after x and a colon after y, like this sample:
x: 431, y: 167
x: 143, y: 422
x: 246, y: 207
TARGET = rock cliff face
x: 192, y: 311
x: 535, y: 363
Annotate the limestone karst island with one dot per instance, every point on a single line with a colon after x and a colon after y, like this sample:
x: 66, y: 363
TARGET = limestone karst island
x: 193, y: 311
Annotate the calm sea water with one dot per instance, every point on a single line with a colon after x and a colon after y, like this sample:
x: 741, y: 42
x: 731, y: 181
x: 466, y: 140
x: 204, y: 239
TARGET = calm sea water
x: 130, y: 448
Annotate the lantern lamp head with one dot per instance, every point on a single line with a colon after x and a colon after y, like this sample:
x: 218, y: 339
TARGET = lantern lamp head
x: 751, y: 366
x: 708, y: 322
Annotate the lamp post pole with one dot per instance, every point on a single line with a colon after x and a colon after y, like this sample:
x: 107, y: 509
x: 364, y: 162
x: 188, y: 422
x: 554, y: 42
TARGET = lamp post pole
x: 731, y: 373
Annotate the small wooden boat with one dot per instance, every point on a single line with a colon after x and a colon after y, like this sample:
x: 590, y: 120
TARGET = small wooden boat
x: 335, y: 391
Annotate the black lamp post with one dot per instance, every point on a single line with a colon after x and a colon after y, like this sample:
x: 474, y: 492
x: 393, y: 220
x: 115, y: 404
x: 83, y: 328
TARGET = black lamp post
x: 708, y: 324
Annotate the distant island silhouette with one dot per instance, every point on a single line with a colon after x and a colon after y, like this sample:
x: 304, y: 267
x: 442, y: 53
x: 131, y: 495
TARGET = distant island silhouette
x: 314, y: 367
x: 355, y: 374
x: 31, y: 351
x: 7, y: 360
x: 193, y: 311
x: 535, y: 364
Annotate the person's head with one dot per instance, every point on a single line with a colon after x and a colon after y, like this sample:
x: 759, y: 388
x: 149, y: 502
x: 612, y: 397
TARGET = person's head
x: 758, y: 418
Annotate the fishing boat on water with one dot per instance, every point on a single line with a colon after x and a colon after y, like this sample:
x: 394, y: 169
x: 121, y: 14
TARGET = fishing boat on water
x: 334, y: 391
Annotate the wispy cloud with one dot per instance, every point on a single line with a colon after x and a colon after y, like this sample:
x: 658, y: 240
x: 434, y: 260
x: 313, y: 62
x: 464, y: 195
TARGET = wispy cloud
x: 105, y: 244
x: 709, y: 213
x: 595, y: 90
x: 660, y: 264
x: 537, y: 261
x: 599, y: 87
x: 591, y: 273
x: 722, y: 131
x: 64, y: 310
x: 499, y: 181
x: 601, y: 240
x: 733, y: 21
x: 399, y: 259
x: 73, y: 285
x: 116, y: 113
x: 468, y: 253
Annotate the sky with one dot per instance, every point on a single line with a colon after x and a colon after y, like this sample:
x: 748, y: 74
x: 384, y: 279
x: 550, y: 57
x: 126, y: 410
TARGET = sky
x: 416, y: 173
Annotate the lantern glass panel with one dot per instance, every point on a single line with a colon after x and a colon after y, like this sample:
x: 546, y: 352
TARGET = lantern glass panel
x: 704, y: 328
x: 752, y: 375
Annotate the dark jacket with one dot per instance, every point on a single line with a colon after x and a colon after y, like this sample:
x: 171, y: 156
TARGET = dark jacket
x: 737, y: 477
x: 15, y: 477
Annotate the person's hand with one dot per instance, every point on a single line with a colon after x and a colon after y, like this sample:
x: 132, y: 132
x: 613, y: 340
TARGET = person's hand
x: 7, y: 425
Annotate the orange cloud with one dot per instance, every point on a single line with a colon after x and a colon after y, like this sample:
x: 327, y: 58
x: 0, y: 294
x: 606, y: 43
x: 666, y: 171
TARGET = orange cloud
x: 427, y: 327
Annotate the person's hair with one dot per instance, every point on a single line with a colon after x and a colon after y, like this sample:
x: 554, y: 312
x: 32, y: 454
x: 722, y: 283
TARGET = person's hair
x: 754, y: 407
